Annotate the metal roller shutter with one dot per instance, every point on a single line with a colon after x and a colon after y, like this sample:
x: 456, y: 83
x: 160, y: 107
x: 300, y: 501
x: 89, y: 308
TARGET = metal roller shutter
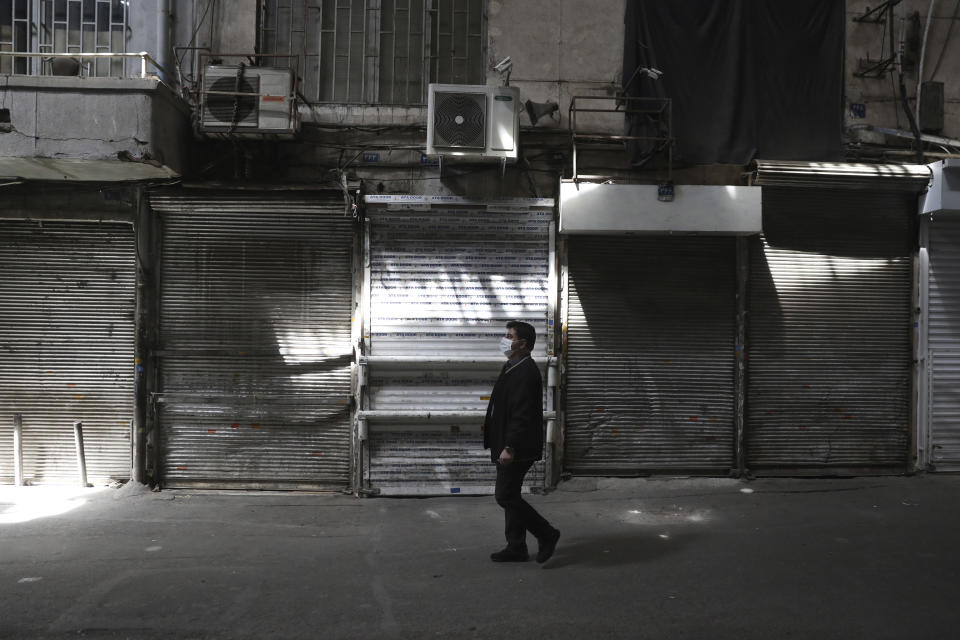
x: 944, y: 341
x: 829, y: 330
x: 67, y: 302
x: 650, y: 354
x: 255, y: 330
x: 443, y: 283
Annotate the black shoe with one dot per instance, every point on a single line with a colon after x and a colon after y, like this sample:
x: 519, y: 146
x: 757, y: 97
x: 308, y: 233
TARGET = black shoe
x: 509, y: 555
x: 548, y: 546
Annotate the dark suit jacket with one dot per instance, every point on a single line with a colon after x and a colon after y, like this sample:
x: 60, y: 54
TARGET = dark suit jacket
x: 515, y: 413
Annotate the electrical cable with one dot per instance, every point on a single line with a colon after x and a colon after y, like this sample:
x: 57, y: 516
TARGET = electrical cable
x: 193, y: 38
x: 903, y: 93
x: 946, y: 40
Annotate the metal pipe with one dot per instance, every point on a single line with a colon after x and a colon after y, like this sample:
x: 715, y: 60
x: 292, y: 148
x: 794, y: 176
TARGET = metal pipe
x: 163, y: 38
x: 426, y: 414
x: 18, y: 449
x: 362, y: 430
x: 81, y: 457
x: 468, y: 360
x: 922, y: 356
x: 551, y: 431
x: 740, y: 373
x: 923, y: 53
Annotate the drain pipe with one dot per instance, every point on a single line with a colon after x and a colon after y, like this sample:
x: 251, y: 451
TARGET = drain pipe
x: 914, y: 127
x: 18, y: 449
x: 163, y: 39
x: 81, y: 455
x: 923, y: 53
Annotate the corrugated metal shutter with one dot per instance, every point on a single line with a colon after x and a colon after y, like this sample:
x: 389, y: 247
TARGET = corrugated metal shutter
x: 67, y: 302
x: 829, y: 373
x: 444, y: 281
x: 944, y: 340
x: 845, y: 175
x: 650, y: 354
x: 255, y: 326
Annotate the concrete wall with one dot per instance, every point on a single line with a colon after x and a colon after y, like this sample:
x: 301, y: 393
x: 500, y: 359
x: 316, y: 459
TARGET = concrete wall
x: 880, y: 95
x: 94, y: 118
x: 559, y: 49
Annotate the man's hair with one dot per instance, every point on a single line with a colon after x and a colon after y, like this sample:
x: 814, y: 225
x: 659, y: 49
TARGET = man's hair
x: 525, y: 331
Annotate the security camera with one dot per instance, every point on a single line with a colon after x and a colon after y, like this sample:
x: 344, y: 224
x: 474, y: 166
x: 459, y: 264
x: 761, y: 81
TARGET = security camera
x: 504, y: 65
x: 653, y: 74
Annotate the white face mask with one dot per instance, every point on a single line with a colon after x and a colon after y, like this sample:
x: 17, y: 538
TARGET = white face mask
x: 506, y: 346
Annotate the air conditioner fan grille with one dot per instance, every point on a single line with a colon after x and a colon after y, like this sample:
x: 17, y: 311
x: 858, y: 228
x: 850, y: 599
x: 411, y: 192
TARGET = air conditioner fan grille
x: 459, y: 120
x: 221, y: 107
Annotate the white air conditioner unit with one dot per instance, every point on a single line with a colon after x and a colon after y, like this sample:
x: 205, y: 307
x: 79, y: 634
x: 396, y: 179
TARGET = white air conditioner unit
x: 248, y: 100
x: 475, y: 122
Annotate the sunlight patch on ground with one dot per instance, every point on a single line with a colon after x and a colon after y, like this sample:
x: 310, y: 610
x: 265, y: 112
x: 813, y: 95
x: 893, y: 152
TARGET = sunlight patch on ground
x: 668, y: 515
x: 23, y: 504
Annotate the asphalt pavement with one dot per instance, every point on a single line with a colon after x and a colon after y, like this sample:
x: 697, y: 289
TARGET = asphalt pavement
x: 670, y: 558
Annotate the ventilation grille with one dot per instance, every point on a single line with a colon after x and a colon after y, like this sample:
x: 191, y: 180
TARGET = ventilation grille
x: 225, y: 110
x: 459, y: 120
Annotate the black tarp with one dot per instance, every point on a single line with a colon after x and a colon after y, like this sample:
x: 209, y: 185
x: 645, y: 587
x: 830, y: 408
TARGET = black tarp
x: 748, y: 78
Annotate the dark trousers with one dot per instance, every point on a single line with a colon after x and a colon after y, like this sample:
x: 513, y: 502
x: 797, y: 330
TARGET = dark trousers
x: 519, y: 517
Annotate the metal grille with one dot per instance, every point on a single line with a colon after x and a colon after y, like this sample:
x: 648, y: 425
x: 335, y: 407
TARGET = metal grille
x: 829, y: 332
x: 944, y: 341
x: 255, y: 326
x: 443, y: 284
x: 650, y: 354
x: 63, y: 26
x: 377, y: 51
x: 67, y: 300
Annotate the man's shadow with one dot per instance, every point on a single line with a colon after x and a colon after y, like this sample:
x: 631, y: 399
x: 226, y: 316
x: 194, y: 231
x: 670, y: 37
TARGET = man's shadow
x: 616, y: 549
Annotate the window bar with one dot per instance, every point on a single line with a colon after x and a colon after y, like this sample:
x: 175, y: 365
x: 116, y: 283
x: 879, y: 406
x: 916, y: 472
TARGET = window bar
x: 453, y: 41
x: 122, y: 27
x: 329, y: 92
x: 374, y: 22
x: 20, y: 65
x: 363, y: 51
x: 349, y: 51
x: 406, y: 83
x: 301, y: 62
x: 35, y: 35
x: 393, y: 55
x: 7, y: 45
x: 425, y: 48
x: 363, y: 48
x: 434, y: 63
x: 98, y: 9
x: 336, y: 46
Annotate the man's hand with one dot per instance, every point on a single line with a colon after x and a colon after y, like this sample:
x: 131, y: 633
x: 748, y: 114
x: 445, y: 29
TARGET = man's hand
x: 505, y: 457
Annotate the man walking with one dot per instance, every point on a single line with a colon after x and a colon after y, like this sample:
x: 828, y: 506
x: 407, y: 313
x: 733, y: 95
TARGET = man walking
x: 513, y: 431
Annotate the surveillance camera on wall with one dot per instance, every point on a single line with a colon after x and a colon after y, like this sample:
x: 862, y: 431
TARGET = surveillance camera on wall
x: 504, y: 65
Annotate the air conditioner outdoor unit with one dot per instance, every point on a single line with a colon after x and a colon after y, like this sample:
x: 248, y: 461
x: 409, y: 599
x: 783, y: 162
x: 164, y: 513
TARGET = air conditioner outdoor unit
x: 248, y: 100
x: 475, y: 122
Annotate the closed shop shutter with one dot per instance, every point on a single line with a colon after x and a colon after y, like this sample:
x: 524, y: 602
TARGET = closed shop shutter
x: 443, y: 283
x: 650, y: 354
x: 944, y: 340
x: 829, y: 369
x: 67, y: 306
x: 255, y: 333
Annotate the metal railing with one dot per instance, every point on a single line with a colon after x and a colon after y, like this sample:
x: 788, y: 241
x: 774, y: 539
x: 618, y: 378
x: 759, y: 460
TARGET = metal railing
x: 142, y: 55
x: 656, y: 111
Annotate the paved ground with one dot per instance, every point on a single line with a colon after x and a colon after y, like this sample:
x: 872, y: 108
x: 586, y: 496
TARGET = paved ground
x: 864, y: 558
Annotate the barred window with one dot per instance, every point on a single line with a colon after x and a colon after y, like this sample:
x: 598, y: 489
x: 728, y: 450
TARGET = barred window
x: 63, y: 26
x: 377, y: 51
